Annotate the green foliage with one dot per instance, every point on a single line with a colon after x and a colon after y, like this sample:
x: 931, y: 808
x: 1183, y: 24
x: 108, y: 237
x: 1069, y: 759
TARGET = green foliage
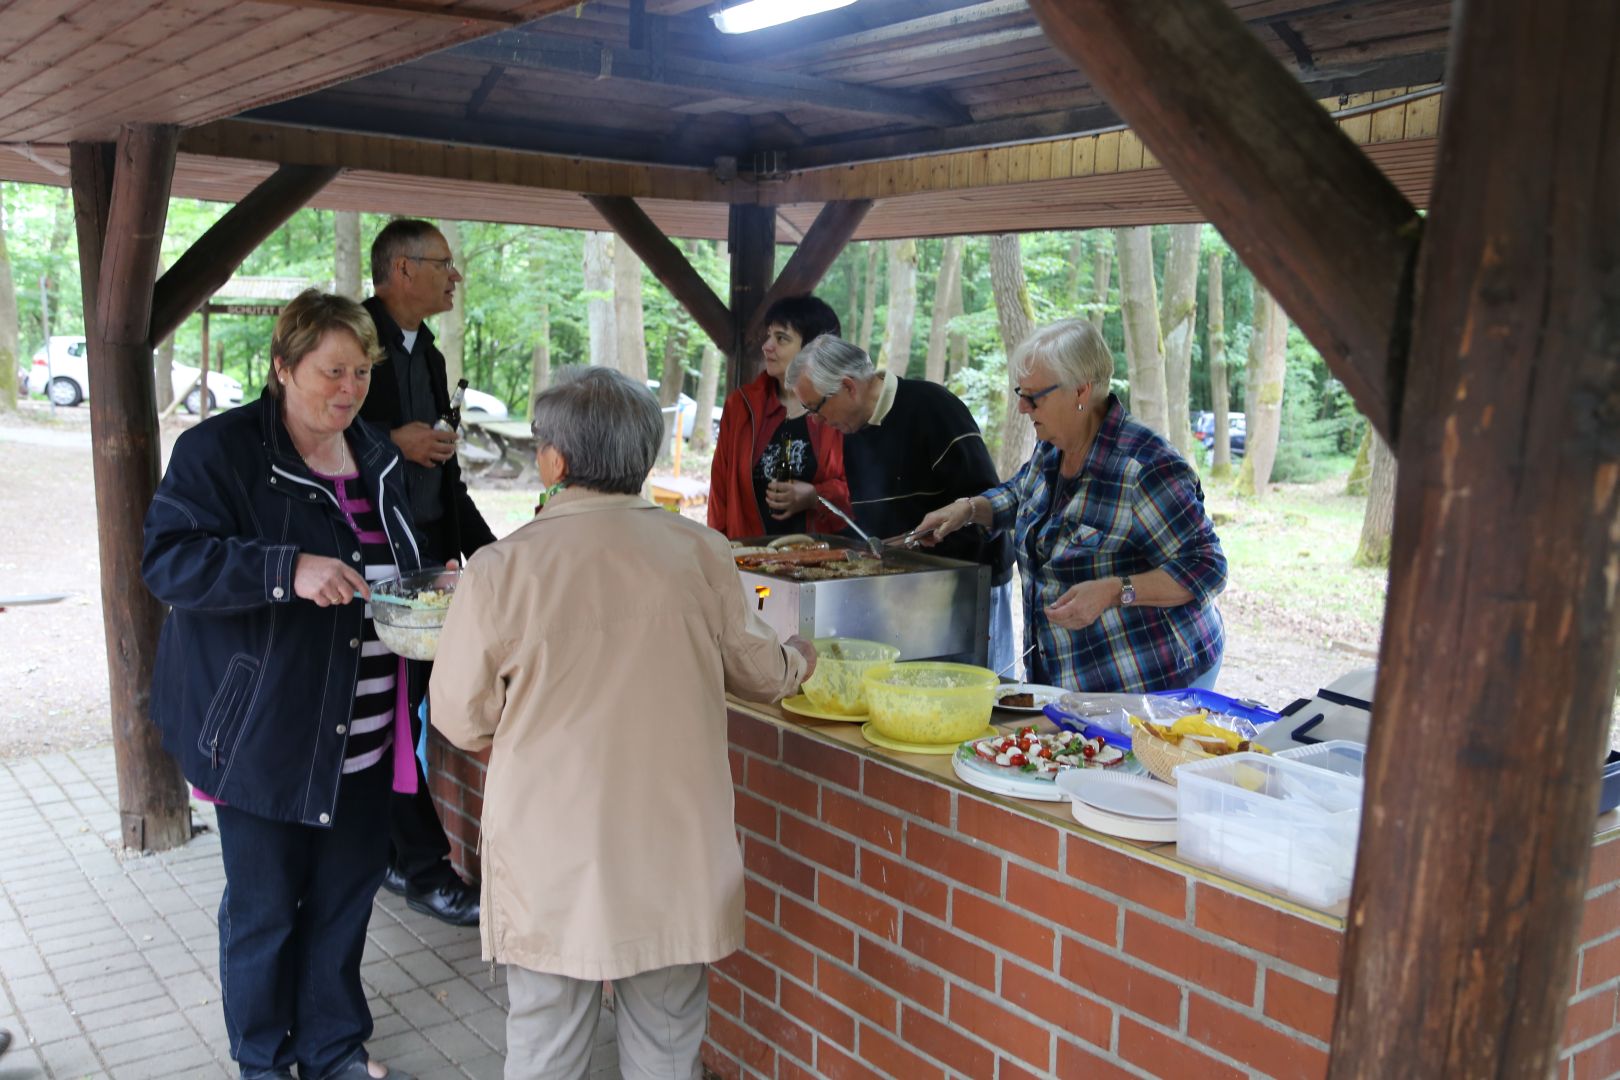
x: 1319, y: 422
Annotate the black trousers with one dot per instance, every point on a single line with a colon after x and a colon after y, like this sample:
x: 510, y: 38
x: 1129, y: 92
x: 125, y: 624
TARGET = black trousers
x: 419, y: 851
x: 292, y: 928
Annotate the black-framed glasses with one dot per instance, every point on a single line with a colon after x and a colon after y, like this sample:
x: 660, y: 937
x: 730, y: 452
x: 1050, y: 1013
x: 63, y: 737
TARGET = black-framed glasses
x: 448, y: 262
x: 1034, y: 399
x: 816, y: 408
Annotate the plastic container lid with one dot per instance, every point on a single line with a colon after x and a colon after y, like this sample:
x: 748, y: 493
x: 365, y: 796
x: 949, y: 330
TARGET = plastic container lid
x: 1337, y: 755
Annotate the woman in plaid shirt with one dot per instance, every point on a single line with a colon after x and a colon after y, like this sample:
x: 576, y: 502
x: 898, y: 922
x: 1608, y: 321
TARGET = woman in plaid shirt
x: 1120, y: 564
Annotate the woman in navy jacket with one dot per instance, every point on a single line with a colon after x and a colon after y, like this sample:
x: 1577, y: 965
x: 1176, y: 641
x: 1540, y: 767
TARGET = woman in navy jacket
x: 272, y: 691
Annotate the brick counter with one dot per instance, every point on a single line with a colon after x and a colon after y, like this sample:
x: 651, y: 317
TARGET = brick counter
x: 902, y: 923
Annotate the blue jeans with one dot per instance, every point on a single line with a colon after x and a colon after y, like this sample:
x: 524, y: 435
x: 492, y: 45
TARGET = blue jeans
x: 292, y: 927
x: 1003, y: 650
x: 1206, y: 681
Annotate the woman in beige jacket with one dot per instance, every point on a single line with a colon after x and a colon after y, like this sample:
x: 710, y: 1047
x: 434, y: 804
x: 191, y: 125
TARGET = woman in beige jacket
x: 591, y: 650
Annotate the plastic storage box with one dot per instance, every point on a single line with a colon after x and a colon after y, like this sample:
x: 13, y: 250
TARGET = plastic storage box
x: 1337, y: 755
x: 1279, y: 824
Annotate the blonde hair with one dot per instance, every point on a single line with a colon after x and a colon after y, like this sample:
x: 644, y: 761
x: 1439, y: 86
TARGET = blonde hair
x: 1072, y: 348
x: 307, y: 319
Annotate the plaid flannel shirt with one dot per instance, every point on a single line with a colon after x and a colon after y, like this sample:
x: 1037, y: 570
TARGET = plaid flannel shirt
x: 1136, y: 505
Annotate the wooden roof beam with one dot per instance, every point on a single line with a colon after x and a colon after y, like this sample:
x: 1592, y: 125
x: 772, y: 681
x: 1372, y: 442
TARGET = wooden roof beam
x: 216, y: 254
x: 560, y: 54
x: 669, y: 265
x: 1252, y: 148
x: 826, y: 237
x: 414, y: 9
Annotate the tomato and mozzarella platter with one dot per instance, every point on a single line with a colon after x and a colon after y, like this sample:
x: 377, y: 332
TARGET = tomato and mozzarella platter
x: 1045, y: 754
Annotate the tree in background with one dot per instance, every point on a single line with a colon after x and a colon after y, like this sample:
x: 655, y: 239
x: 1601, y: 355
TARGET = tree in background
x: 598, y: 297
x: 629, y: 320
x: 1221, y: 467
x: 896, y: 352
x: 1015, y: 316
x: 8, y: 323
x: 452, y: 325
x: 869, y: 305
x: 1177, y: 318
x: 1378, y: 520
x: 346, y: 279
x: 1144, y: 348
x: 947, y: 294
x: 1268, y: 350
x: 1102, y: 268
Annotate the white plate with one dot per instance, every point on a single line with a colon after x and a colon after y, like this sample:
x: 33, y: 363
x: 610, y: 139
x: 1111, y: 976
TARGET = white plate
x: 1128, y: 796
x: 1129, y: 828
x: 1044, y: 695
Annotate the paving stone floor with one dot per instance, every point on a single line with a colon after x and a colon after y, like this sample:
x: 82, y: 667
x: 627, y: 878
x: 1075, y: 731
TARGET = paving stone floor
x: 109, y: 963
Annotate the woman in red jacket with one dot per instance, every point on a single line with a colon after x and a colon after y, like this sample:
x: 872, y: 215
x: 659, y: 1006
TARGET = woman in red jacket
x: 770, y: 462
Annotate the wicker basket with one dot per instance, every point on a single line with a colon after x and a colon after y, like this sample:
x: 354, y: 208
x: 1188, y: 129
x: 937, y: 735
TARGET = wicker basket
x: 1160, y: 758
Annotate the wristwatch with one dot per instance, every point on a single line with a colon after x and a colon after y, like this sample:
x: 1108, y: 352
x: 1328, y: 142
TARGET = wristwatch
x: 1127, y: 592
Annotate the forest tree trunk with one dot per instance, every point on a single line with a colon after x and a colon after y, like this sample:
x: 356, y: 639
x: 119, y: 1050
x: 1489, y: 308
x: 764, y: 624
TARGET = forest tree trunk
x: 1139, y: 305
x: 1016, y: 317
x: 8, y: 323
x: 629, y: 324
x: 165, y: 371
x: 707, y: 388
x: 346, y: 255
x: 1378, y: 522
x: 604, y: 350
x: 1102, y: 269
x: 869, y: 306
x: 540, y: 359
x: 452, y: 335
x: 956, y: 342
x: 946, y: 290
x: 1361, y: 471
x: 1071, y: 283
x: 1177, y: 320
x: 896, y: 355
x: 1219, y: 395
x: 1263, y: 402
x: 851, y: 321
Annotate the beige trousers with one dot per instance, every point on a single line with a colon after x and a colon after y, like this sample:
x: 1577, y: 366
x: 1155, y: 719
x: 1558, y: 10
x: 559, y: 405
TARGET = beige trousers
x: 661, y: 1017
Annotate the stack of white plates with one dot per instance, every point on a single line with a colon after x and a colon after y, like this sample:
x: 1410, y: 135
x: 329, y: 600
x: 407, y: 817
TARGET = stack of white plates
x: 1119, y: 804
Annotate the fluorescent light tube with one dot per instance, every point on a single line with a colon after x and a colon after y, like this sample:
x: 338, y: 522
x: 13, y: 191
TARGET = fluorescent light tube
x: 758, y: 14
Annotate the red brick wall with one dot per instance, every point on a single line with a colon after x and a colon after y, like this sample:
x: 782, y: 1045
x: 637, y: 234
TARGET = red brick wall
x: 897, y: 927
x: 456, y: 779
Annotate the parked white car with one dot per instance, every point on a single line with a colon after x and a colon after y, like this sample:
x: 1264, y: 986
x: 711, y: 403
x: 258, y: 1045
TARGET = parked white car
x: 64, y: 377
x: 482, y: 406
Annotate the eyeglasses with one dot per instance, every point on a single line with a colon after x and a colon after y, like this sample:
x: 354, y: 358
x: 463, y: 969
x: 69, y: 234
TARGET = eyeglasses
x: 816, y: 408
x: 448, y: 262
x: 1034, y: 399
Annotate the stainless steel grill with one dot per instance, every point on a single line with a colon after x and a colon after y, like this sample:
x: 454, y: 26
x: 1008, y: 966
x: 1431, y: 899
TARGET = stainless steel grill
x: 931, y: 608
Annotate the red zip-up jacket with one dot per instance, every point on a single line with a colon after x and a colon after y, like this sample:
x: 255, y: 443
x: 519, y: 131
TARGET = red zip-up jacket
x: 751, y: 416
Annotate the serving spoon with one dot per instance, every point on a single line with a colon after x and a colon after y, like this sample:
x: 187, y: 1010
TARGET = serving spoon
x: 875, y: 545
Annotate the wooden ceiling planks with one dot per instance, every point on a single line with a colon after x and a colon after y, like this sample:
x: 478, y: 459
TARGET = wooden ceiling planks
x: 77, y: 71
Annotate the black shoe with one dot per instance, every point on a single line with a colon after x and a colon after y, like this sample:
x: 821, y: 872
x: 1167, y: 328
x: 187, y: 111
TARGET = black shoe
x: 453, y: 901
x: 5, y: 1041
x: 394, y: 882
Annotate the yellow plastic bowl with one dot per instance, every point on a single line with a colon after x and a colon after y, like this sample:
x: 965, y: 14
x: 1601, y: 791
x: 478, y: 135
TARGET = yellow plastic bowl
x: 930, y: 702
x: 841, y: 664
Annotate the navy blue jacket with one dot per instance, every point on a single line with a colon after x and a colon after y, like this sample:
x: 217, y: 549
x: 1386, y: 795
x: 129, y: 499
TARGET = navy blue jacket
x: 254, y: 686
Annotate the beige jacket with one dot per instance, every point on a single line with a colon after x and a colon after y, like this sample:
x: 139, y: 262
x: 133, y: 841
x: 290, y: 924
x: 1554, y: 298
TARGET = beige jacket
x: 592, y: 650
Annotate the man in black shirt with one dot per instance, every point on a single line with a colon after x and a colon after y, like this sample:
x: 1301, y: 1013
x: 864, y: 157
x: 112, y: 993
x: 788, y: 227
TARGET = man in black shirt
x: 910, y: 446
x: 414, y: 277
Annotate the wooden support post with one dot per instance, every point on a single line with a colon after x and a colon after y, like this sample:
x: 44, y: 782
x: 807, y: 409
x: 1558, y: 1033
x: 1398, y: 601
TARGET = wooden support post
x: 751, y: 235
x: 120, y: 204
x: 1497, y: 670
x: 1306, y: 210
x: 668, y: 265
x: 825, y: 240
x: 210, y: 262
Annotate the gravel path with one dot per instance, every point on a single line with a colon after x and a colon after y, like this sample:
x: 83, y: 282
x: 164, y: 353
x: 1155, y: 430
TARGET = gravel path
x: 53, y: 657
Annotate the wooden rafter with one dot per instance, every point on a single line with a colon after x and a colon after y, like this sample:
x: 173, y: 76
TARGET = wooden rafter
x: 458, y: 14
x: 210, y: 262
x: 668, y: 265
x: 544, y: 52
x: 827, y: 236
x: 1251, y: 148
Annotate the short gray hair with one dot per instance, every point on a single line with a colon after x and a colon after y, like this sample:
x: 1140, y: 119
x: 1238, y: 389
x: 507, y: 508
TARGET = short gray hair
x: 402, y: 236
x: 1074, y: 350
x: 606, y: 426
x: 828, y: 360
